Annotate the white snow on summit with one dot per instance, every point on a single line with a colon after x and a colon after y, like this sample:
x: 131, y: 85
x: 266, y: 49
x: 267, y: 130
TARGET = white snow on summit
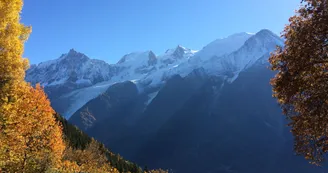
x: 225, y: 57
x: 224, y: 46
x: 257, y: 46
x: 73, y: 67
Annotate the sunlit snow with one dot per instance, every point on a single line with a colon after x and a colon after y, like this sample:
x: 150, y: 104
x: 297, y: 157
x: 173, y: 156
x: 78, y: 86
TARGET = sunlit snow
x: 232, y: 55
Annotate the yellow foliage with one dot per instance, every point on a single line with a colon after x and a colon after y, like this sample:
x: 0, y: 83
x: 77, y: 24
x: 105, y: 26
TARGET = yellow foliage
x: 31, y: 139
x: 91, y: 160
x: 12, y: 37
x: 69, y: 167
x: 158, y: 171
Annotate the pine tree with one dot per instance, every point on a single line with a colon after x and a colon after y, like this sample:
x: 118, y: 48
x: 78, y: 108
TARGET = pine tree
x: 145, y: 169
x: 135, y: 168
x: 301, y: 83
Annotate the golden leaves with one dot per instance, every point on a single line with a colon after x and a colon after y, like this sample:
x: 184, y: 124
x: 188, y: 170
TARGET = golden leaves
x: 31, y: 139
x: 31, y: 136
x: 12, y: 37
x: 301, y: 82
x: 158, y: 171
x: 91, y: 159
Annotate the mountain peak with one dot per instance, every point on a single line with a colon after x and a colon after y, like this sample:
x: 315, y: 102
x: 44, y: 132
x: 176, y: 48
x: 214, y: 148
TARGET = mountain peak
x: 265, y: 36
x: 265, y: 32
x: 177, y: 48
x: 241, y: 34
x: 74, y: 56
x: 72, y: 53
x: 179, y: 51
x: 72, y: 69
x: 180, y: 47
x: 152, y: 60
x: 135, y: 58
x: 224, y: 46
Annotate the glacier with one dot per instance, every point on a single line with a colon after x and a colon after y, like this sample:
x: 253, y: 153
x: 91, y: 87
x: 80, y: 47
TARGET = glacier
x: 226, y: 57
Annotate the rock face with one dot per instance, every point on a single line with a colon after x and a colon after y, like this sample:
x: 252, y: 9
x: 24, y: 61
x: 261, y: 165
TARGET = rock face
x: 115, y: 101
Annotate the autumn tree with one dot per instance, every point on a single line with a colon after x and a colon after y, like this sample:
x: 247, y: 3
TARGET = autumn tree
x: 158, y: 171
x: 12, y: 37
x: 301, y: 84
x: 92, y: 159
x: 30, y: 137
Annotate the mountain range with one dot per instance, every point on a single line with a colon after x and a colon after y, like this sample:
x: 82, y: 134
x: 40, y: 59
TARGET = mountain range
x: 185, y: 110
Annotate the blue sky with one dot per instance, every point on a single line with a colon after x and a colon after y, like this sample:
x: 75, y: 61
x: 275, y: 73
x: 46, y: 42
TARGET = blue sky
x: 108, y: 29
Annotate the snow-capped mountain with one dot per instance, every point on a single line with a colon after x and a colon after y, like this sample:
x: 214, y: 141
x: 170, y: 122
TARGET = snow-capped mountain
x: 135, y: 65
x: 143, y: 68
x: 229, y: 59
x: 70, y: 71
x: 221, y: 56
x: 173, y: 55
x: 74, y: 73
x: 70, y: 67
x: 257, y: 46
x: 224, y: 46
x: 147, y: 69
x: 186, y: 106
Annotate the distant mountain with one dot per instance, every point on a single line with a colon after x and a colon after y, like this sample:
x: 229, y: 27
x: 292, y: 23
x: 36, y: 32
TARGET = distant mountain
x: 74, y: 79
x: 190, y: 111
x: 224, y: 46
x: 70, y: 71
x: 197, y: 123
x: 256, y: 47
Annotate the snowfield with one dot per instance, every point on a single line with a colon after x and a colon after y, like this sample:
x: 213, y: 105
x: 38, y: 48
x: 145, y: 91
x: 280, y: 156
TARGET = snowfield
x: 225, y: 57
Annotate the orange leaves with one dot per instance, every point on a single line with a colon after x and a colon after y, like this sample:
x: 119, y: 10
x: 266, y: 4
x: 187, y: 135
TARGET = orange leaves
x: 12, y: 37
x: 158, y: 171
x: 89, y: 160
x: 32, y: 137
x: 301, y: 83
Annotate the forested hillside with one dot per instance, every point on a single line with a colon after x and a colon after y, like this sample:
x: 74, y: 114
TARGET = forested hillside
x: 78, y: 140
x: 33, y: 138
